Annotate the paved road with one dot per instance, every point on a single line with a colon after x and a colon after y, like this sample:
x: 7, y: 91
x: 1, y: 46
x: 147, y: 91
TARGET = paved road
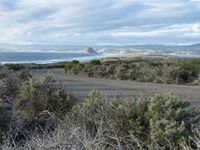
x: 80, y: 86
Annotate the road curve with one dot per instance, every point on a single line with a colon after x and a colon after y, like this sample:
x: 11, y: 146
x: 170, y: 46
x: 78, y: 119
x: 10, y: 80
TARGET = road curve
x: 80, y: 86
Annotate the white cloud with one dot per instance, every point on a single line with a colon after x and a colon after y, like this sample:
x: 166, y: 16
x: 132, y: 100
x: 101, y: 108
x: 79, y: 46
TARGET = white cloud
x: 172, y: 34
x: 196, y: 28
x: 122, y: 3
x: 87, y: 21
x: 195, y: 0
x: 136, y: 34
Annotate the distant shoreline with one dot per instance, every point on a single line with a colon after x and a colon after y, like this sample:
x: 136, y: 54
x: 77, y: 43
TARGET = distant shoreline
x: 57, y: 56
x: 108, y: 58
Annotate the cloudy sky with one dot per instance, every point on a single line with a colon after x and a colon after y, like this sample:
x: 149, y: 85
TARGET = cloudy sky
x: 87, y: 22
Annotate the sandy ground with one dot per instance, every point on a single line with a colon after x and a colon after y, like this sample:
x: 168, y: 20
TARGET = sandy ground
x: 80, y: 86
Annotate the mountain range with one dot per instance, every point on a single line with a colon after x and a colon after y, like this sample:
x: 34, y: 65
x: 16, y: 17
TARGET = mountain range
x: 41, y: 47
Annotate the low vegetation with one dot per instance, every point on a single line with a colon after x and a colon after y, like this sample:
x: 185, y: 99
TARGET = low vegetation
x: 37, y: 95
x: 180, y: 71
x: 18, y: 67
x: 170, y: 71
x: 37, y: 113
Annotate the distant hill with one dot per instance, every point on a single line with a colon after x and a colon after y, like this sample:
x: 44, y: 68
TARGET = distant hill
x: 165, y: 47
x: 89, y: 50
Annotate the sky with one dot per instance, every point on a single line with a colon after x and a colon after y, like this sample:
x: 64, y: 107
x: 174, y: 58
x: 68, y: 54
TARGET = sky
x: 100, y: 22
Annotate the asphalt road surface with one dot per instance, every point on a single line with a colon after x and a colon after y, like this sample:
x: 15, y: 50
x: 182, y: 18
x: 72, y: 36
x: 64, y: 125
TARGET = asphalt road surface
x: 81, y: 86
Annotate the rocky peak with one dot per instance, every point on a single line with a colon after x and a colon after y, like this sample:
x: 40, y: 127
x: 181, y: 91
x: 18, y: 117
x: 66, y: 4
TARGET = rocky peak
x: 89, y: 50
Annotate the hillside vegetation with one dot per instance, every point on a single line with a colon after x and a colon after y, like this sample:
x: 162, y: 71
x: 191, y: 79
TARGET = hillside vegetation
x: 179, y: 71
x: 37, y: 113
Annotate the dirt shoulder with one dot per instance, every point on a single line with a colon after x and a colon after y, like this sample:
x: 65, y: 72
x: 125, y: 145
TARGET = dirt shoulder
x: 80, y: 86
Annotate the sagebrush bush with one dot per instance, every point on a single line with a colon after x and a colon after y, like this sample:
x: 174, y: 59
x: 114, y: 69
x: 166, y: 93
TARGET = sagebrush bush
x: 192, y: 66
x: 111, y: 119
x: 146, y: 75
x: 30, y: 104
x: 37, y: 95
x: 179, y: 76
x: 178, y: 71
x: 121, y: 72
x: 95, y: 62
x: 74, y: 67
x: 15, y: 67
x: 161, y: 122
x: 170, y: 120
x: 6, y: 116
x: 12, y: 81
x: 10, y: 84
x: 2, y: 73
x: 186, y: 72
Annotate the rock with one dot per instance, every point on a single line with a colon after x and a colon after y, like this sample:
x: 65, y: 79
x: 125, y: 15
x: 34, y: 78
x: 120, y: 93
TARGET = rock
x: 89, y: 50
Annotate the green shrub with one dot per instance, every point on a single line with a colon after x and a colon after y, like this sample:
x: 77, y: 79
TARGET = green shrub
x: 180, y: 76
x: 170, y: 120
x: 6, y: 115
x: 163, y: 121
x: 160, y: 71
x: 74, y: 67
x: 190, y: 70
x: 9, y: 88
x: 121, y: 72
x: 15, y: 67
x: 155, y: 64
x: 95, y: 62
x: 13, y: 81
x: 75, y: 62
x: 146, y: 74
x: 52, y: 66
x: 125, y: 116
x: 2, y: 73
x: 100, y: 71
x: 37, y: 95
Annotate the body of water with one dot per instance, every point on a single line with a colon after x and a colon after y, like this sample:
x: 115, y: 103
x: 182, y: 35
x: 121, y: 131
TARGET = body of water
x: 41, y: 57
x: 44, y: 57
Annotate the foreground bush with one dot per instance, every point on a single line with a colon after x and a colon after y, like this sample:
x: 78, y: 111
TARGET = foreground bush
x: 43, y: 116
x: 37, y: 95
x: 12, y: 81
x: 170, y: 120
x: 162, y: 122
x: 10, y: 84
x: 30, y: 106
